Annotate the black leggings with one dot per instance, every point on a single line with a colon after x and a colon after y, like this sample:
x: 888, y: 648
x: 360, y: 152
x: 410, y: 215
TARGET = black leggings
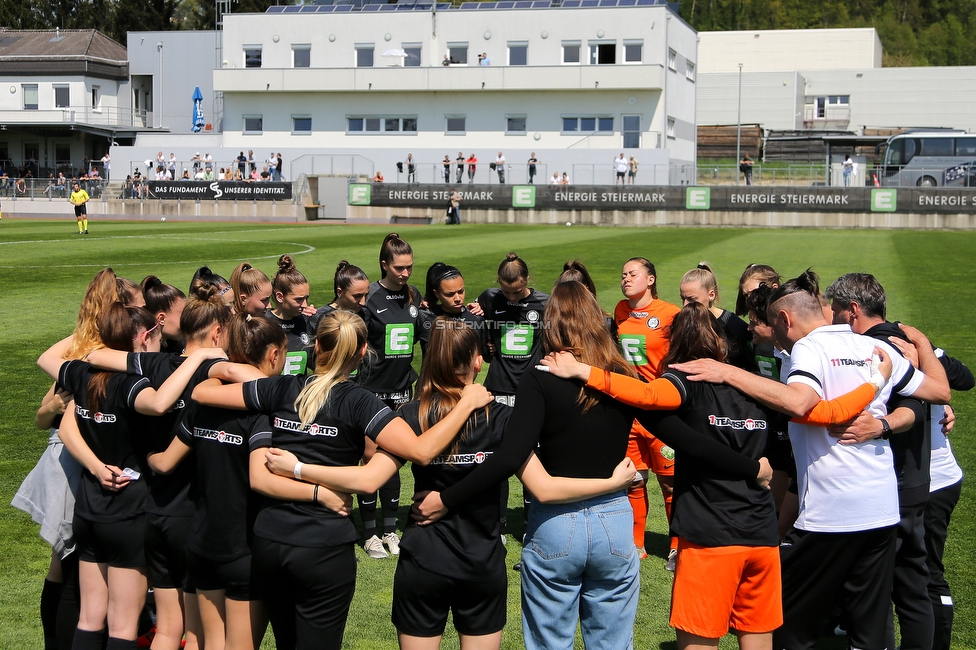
x: 307, y: 592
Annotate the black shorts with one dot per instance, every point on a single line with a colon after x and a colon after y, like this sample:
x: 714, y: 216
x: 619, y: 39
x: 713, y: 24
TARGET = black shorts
x: 166, y: 551
x: 422, y: 600
x: 620, y: 174
x: 234, y: 577
x: 307, y: 591
x: 81, y: 210
x: 119, y: 544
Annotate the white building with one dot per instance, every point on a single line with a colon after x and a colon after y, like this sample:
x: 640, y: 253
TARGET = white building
x: 65, y: 96
x: 825, y: 79
x: 576, y: 85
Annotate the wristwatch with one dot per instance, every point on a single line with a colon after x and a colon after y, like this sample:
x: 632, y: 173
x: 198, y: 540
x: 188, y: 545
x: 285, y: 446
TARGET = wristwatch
x: 885, y: 429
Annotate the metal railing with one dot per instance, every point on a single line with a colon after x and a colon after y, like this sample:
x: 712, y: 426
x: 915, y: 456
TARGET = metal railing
x: 34, y: 189
x: 104, y: 116
x: 330, y: 165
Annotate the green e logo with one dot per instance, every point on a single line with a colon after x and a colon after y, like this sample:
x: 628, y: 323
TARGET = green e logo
x: 399, y: 339
x: 523, y: 196
x: 633, y: 347
x: 517, y: 339
x: 295, y: 363
x: 698, y: 198
x: 359, y: 194
x: 884, y: 200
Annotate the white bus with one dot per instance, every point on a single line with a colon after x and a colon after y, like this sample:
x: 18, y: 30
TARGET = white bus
x: 928, y: 159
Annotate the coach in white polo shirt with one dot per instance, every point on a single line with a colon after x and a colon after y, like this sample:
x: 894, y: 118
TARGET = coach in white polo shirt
x: 841, y: 550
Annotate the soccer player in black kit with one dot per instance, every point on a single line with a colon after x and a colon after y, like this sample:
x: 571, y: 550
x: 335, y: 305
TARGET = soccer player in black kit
x: 392, y: 316
x: 513, y: 317
x: 289, y: 292
x: 218, y: 546
x: 305, y: 565
x: 445, y: 297
x: 105, y: 436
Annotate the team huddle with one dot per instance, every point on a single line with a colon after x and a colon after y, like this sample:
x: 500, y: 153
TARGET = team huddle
x: 207, y: 446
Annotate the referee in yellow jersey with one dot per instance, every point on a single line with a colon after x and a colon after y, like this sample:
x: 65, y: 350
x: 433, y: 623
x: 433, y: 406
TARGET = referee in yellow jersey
x: 79, y: 198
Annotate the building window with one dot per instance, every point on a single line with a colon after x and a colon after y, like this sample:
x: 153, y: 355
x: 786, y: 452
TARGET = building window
x: 515, y: 124
x: 631, y: 131
x: 671, y: 128
x: 690, y: 71
x: 458, y: 53
x: 633, y: 51
x: 301, y: 56
x: 61, y: 97
x: 518, y: 53
x: 672, y: 60
x: 252, y: 56
x: 96, y: 97
x: 253, y: 124
x: 301, y: 124
x: 364, y: 56
x: 587, y: 124
x: 30, y: 97
x: 380, y: 124
x: 571, y: 52
x: 414, y: 51
x: 456, y: 124
x: 603, y: 53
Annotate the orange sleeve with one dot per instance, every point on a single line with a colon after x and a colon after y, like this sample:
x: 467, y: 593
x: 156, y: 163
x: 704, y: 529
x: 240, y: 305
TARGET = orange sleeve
x: 842, y: 409
x: 659, y: 394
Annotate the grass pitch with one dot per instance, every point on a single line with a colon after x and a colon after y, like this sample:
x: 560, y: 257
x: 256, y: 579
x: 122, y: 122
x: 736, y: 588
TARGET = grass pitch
x: 45, y: 267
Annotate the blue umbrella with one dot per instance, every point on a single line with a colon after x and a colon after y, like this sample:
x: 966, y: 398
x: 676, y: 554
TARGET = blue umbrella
x: 198, y: 120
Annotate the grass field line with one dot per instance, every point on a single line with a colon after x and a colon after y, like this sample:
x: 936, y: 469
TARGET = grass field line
x: 308, y: 249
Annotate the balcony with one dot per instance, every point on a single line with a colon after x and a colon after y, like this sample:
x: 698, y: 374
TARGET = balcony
x: 109, y: 118
x: 441, y: 79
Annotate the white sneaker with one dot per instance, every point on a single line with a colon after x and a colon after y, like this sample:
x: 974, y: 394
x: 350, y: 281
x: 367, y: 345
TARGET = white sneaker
x: 374, y: 548
x: 392, y: 542
x: 672, y: 562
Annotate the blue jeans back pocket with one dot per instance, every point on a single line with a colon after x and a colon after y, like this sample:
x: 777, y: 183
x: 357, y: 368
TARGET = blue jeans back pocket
x: 552, y: 536
x: 619, y: 526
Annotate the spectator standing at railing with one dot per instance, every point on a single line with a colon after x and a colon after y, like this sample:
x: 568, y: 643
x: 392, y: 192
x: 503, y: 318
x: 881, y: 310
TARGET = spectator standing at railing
x: 632, y: 172
x: 281, y: 168
x: 241, y: 164
x: 446, y: 172
x: 848, y: 170
x: 197, y: 162
x: 208, y: 160
x: 253, y: 165
x: 273, y: 165
x: 411, y: 168
x: 460, y: 166
x: 500, y: 166
x: 172, y: 166
x: 472, y: 166
x: 107, y: 167
x: 621, y: 166
x: 745, y: 166
x: 533, y: 162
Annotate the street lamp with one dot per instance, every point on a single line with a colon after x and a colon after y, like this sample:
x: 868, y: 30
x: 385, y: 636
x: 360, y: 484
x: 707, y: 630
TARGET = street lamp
x: 738, y: 128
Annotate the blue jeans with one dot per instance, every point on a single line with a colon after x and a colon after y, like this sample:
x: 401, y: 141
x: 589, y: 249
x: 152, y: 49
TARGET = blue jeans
x: 579, y: 561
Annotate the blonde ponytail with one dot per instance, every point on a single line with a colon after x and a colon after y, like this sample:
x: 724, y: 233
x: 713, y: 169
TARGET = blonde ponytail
x: 341, y: 334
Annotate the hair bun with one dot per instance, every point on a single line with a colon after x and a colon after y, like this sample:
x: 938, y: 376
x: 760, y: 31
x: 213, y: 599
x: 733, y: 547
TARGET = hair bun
x: 285, y: 263
x: 511, y: 256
